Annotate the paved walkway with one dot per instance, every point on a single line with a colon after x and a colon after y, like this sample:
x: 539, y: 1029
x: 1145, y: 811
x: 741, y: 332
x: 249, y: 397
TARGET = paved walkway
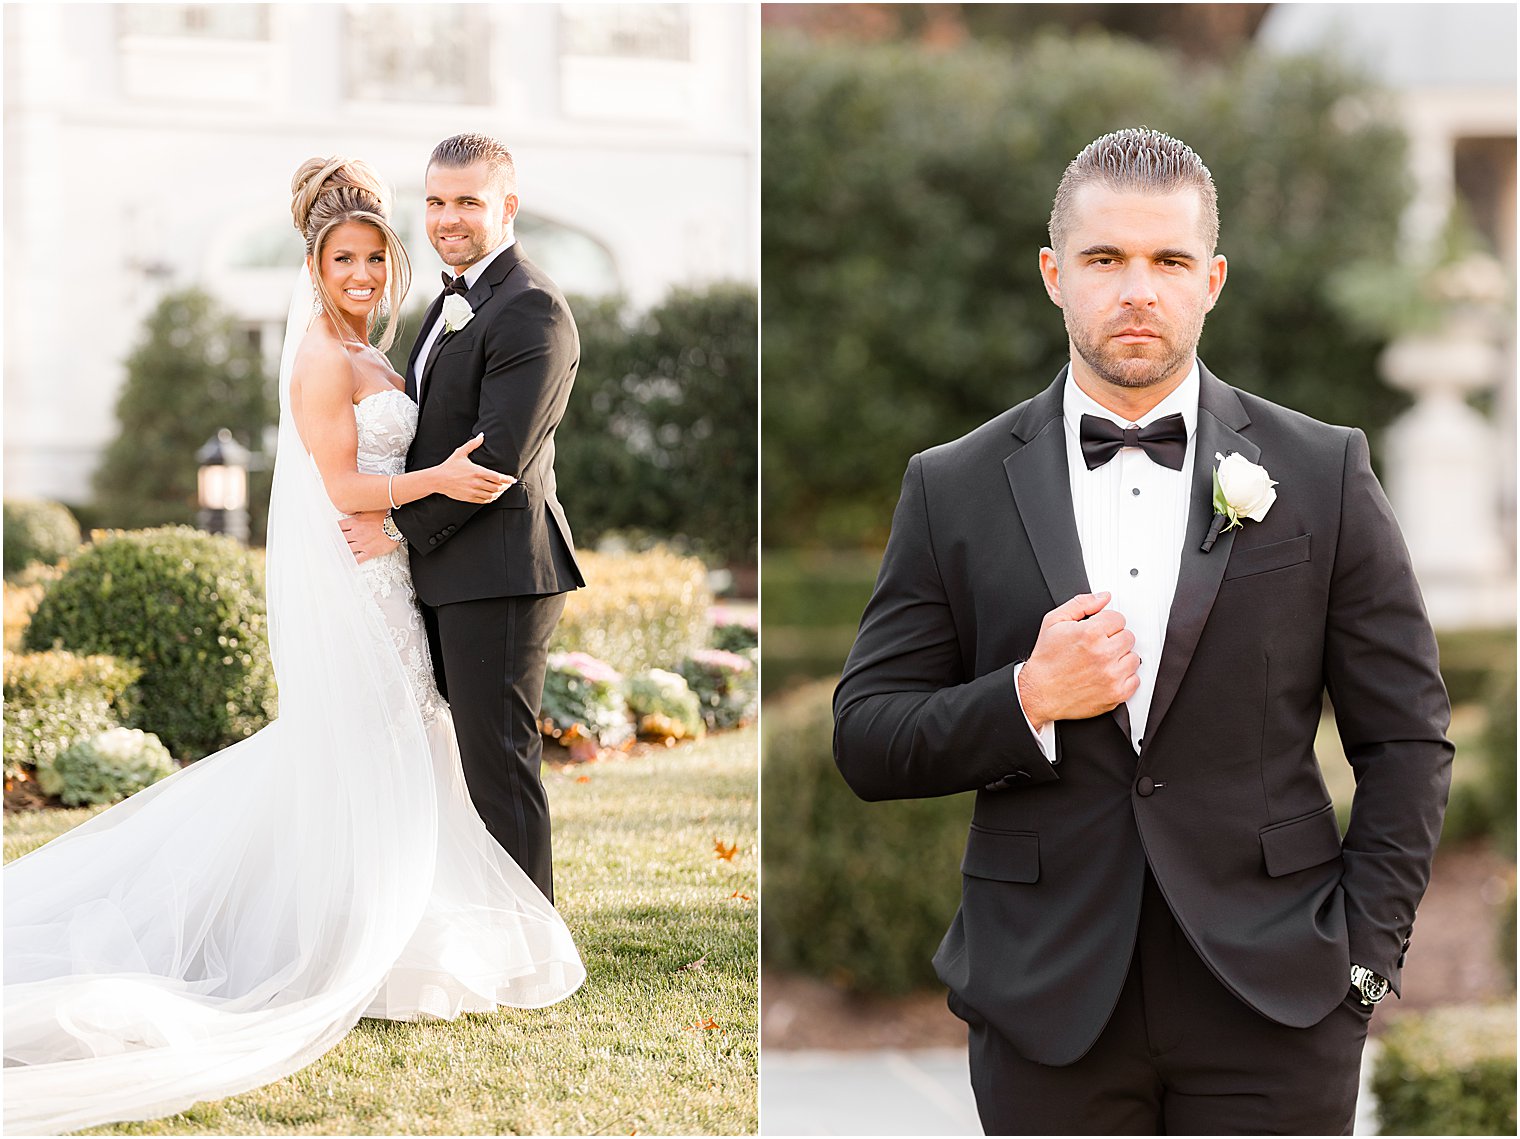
x: 898, y: 1093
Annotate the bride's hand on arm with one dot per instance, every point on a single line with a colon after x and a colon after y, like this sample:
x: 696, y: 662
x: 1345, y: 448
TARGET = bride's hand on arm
x: 323, y: 389
x: 460, y: 478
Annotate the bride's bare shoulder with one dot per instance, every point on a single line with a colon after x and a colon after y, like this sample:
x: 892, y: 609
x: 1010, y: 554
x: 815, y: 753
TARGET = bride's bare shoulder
x: 321, y: 362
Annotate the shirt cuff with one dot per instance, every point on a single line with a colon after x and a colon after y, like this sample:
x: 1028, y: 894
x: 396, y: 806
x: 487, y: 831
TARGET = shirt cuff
x: 1046, y: 736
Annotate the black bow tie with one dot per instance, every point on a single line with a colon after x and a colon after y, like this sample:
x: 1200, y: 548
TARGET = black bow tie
x: 453, y: 284
x: 1165, y: 441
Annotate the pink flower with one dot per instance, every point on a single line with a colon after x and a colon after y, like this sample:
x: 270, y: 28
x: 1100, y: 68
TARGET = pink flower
x: 721, y: 658
x: 720, y: 615
x: 588, y: 666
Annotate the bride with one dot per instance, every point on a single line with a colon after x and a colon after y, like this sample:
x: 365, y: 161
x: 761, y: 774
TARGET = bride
x: 228, y: 925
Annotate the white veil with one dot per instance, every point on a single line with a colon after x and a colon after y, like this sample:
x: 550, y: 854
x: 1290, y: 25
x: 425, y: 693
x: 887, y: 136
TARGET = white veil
x: 228, y: 925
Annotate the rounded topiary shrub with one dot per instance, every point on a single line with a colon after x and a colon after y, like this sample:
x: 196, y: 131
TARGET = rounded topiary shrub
x: 37, y: 531
x: 1448, y: 1072
x: 664, y: 706
x: 106, y: 767
x: 188, y: 608
x: 865, y: 891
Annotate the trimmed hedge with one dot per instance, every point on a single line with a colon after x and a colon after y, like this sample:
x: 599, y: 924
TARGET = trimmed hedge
x: 1449, y: 1072
x: 638, y: 610
x: 38, y: 531
x: 1500, y: 756
x: 858, y: 893
x: 188, y: 608
x: 54, y: 698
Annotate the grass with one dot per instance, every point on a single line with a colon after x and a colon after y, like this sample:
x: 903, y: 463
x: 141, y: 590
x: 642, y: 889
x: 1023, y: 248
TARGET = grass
x: 641, y: 887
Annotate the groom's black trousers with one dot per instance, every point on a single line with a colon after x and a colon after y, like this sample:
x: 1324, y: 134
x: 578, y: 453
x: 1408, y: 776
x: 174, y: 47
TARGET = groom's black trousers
x: 1181, y: 1055
x: 493, y: 654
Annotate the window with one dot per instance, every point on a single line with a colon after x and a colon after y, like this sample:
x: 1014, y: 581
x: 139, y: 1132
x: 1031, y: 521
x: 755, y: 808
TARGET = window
x: 628, y: 31
x: 433, y: 53
x: 203, y: 21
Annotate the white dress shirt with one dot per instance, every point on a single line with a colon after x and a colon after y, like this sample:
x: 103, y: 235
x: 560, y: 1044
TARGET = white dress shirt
x: 1131, y: 515
x: 471, y: 275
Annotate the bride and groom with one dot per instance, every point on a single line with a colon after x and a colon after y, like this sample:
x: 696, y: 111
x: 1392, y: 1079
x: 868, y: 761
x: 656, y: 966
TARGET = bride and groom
x: 213, y: 933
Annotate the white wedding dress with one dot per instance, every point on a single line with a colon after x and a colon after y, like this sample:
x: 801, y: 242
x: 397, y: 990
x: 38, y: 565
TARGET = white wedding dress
x: 228, y: 925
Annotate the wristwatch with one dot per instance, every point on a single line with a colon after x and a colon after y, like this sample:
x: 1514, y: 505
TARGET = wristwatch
x: 391, y: 531
x: 1372, y: 987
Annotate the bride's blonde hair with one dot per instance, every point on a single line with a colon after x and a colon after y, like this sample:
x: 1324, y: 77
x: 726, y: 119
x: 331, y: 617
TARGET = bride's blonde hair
x: 325, y: 193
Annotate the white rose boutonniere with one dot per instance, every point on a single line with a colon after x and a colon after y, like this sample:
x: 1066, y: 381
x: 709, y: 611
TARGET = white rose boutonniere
x: 1242, y: 489
x: 456, y: 312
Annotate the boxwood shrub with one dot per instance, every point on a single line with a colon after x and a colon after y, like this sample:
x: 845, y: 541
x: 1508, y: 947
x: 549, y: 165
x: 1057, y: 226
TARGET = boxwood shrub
x: 54, y: 698
x: 1448, y: 1072
x: 188, y: 608
x: 859, y: 893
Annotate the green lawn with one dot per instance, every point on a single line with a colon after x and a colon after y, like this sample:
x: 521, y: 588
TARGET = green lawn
x: 643, y: 891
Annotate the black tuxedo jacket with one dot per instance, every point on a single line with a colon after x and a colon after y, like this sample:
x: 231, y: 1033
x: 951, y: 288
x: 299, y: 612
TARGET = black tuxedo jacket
x: 1225, y: 801
x: 508, y: 373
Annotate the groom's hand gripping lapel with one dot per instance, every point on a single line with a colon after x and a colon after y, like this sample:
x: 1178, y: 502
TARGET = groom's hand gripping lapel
x: 1083, y: 663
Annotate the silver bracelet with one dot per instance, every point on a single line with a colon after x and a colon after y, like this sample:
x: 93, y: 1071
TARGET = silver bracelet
x: 388, y: 494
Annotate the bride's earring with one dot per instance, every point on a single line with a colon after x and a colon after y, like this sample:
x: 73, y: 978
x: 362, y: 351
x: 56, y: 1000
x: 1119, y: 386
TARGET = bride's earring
x: 385, y: 307
x: 316, y: 306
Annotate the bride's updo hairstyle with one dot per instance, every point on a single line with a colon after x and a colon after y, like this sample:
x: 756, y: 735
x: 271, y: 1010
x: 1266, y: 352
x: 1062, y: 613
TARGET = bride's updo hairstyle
x: 325, y: 193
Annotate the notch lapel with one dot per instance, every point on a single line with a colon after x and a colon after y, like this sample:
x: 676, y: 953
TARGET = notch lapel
x: 1221, y: 418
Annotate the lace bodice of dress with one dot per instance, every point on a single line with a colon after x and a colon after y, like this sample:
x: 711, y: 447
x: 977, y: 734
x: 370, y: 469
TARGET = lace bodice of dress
x: 386, y: 422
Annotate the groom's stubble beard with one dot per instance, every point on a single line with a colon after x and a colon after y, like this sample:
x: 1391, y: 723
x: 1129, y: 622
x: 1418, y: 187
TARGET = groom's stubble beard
x: 1124, y: 368
x: 463, y: 257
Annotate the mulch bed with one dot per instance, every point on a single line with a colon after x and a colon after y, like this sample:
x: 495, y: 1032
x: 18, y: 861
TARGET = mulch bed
x: 1453, y: 960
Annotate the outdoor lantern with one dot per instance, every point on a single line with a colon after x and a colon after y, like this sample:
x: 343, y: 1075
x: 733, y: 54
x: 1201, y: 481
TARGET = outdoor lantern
x: 223, y: 486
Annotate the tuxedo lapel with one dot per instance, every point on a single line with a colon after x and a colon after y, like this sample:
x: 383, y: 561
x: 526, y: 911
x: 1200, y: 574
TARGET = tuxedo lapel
x: 1041, y: 484
x: 411, y: 363
x: 1221, y: 418
x: 1042, y: 492
x: 480, y: 292
x: 427, y: 367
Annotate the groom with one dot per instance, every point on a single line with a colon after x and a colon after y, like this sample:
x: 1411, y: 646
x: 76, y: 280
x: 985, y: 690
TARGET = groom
x: 496, y: 355
x: 1161, y: 927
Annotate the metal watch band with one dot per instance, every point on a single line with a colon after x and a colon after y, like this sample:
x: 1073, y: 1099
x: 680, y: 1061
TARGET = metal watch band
x: 390, y: 530
x: 1372, y: 986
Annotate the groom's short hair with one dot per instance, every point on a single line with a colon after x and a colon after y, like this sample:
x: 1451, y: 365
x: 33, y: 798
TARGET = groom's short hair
x: 463, y: 150
x: 1136, y: 158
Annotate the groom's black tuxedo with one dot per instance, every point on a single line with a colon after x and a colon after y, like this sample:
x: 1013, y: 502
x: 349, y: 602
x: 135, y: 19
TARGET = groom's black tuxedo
x: 1225, y: 803
x: 508, y: 373
x: 491, y: 577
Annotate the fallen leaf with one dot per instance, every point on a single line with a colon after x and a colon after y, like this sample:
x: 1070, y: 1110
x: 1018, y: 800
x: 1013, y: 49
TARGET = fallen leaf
x: 706, y: 1025
x: 696, y: 966
x: 744, y: 897
x: 725, y: 851
x: 583, y: 779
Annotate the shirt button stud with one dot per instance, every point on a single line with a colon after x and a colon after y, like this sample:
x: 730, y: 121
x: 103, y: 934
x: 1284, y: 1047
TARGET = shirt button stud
x: 1134, y: 573
x: 1134, y: 490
